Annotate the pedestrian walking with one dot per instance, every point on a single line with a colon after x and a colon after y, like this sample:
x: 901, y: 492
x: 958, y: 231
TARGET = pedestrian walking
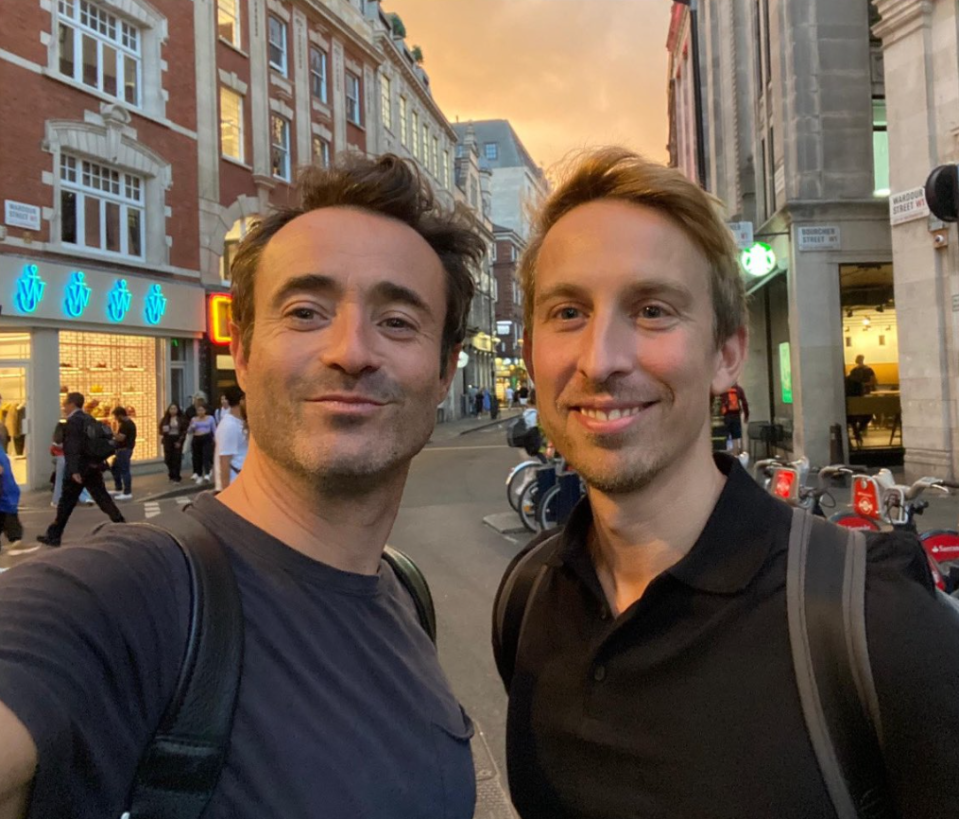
x: 202, y: 428
x: 487, y: 405
x: 232, y: 440
x: 493, y: 406
x: 510, y: 393
x: 523, y: 395
x: 56, y: 450
x: 126, y: 438
x: 223, y: 410
x: 657, y: 660
x: 86, y: 446
x: 478, y: 403
x: 341, y: 708
x: 735, y: 410
x: 10, y: 504
x: 173, y: 430
x: 471, y: 393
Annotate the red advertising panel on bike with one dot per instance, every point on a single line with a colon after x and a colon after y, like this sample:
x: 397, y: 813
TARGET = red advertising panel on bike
x: 941, y: 546
x: 865, y: 497
x: 785, y: 484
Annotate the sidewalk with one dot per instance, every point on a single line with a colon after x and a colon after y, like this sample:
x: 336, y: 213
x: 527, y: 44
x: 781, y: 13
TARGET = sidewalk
x: 453, y: 429
x: 154, y: 486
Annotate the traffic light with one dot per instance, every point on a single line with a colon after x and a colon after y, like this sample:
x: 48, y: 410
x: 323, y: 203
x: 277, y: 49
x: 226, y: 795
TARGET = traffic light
x: 942, y: 193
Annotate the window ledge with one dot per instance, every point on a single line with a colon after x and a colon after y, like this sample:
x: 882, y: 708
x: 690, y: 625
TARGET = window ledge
x: 238, y: 162
x: 103, y: 255
x: 233, y: 47
x: 356, y: 125
x: 320, y: 107
x: 136, y: 110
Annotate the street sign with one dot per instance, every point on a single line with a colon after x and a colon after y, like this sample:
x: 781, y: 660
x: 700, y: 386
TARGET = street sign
x: 21, y: 215
x: 742, y: 233
x: 825, y: 237
x: 758, y: 259
x: 907, y: 206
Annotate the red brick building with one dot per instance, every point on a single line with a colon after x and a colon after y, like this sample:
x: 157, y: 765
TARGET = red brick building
x: 139, y: 140
x: 99, y: 246
x: 510, y: 369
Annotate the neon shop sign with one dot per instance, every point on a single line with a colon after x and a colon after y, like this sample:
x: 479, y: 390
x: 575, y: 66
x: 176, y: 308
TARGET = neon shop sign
x: 77, y: 295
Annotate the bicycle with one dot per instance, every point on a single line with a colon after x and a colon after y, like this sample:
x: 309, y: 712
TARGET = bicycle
x: 878, y: 500
x: 520, y: 475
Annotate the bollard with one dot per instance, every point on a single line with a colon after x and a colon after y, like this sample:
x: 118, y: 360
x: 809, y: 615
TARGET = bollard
x: 836, y: 444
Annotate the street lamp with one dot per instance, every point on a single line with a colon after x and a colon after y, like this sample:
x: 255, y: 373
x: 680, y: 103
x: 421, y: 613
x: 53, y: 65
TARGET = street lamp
x: 692, y: 5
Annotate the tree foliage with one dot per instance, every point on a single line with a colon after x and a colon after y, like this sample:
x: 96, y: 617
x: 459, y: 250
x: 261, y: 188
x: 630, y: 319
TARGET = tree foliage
x: 396, y: 24
x: 417, y: 53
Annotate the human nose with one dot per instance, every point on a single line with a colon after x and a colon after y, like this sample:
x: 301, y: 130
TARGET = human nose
x: 348, y: 346
x: 608, y: 348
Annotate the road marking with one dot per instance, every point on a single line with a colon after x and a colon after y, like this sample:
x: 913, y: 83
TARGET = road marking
x: 151, y: 509
x: 184, y: 501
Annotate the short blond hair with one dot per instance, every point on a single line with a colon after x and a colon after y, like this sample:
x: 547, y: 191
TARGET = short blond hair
x: 621, y: 175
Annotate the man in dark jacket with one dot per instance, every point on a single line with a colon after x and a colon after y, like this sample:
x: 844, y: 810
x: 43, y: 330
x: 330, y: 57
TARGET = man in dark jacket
x: 82, y: 471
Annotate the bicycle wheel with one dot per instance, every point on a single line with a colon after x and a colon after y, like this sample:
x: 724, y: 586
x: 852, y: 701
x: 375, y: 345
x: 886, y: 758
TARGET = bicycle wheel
x: 521, y: 475
x: 546, y: 509
x: 527, y: 506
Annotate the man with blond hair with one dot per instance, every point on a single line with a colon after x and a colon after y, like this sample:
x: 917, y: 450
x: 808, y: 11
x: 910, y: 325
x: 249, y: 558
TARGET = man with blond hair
x: 645, y: 646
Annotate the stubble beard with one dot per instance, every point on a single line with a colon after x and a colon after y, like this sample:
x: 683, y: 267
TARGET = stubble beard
x: 281, y: 434
x: 612, y: 464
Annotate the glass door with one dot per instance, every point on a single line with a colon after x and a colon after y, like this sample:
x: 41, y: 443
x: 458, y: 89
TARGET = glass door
x: 14, y: 416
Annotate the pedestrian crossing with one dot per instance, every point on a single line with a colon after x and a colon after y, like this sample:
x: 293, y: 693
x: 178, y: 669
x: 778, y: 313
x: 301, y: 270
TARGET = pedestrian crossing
x: 151, y: 509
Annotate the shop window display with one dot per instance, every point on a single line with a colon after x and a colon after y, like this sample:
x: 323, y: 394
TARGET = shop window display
x: 111, y: 371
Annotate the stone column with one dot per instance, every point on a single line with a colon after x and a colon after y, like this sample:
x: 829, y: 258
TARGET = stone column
x: 301, y: 88
x: 259, y: 89
x: 922, y: 92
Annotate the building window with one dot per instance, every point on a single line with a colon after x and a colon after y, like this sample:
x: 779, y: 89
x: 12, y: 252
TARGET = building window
x: 416, y: 129
x: 404, y: 132
x: 100, y: 208
x: 231, y: 124
x: 446, y: 169
x: 353, y: 98
x: 492, y: 150
x: 99, y: 50
x: 492, y: 253
x: 231, y: 243
x: 321, y: 151
x: 228, y: 21
x: 460, y: 151
x: 386, y: 102
x: 277, y: 48
x: 280, y: 147
x: 318, y: 74
x: 435, y: 158
x: 880, y: 148
x: 425, y: 145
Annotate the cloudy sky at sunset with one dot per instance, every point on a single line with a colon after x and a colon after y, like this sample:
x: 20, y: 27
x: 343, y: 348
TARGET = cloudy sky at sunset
x: 566, y: 73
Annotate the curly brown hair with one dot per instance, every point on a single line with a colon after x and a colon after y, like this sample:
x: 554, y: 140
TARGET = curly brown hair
x: 388, y: 186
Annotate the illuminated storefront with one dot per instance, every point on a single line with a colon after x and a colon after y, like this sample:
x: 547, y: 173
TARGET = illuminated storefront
x: 120, y: 339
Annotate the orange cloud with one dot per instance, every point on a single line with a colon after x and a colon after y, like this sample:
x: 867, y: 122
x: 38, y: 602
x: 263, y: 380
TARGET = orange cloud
x: 566, y: 73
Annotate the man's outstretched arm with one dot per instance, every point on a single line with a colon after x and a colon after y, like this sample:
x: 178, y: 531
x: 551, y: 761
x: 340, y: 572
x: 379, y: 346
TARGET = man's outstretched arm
x: 18, y: 761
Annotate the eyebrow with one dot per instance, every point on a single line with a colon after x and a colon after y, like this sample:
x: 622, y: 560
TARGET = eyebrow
x: 318, y: 283
x: 646, y: 289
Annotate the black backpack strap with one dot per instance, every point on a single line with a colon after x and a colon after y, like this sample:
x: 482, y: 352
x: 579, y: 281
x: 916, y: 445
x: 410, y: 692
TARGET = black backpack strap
x: 825, y: 600
x: 181, y: 766
x: 516, y: 591
x: 414, y: 582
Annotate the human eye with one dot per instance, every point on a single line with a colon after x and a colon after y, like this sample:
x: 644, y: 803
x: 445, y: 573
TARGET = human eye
x: 398, y: 323
x: 566, y: 313
x: 302, y: 316
x: 654, y: 312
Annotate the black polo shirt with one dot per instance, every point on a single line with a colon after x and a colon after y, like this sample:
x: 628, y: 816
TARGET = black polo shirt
x: 686, y: 705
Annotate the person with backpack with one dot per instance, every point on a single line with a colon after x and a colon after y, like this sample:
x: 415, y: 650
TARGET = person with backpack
x: 86, y: 446
x: 735, y: 410
x: 264, y: 653
x: 687, y: 645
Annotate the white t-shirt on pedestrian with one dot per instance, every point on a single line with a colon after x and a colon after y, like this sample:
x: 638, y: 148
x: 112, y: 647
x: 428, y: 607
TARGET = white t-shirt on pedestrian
x: 231, y: 439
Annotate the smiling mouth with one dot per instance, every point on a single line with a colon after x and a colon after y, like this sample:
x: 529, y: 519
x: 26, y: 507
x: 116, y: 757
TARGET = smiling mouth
x: 614, y: 414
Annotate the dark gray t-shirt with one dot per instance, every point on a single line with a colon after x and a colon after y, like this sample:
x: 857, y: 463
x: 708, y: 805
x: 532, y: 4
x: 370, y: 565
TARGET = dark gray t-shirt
x: 343, y: 708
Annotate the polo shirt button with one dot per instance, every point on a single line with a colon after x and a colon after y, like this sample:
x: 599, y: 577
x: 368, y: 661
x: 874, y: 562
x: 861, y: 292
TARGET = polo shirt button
x: 599, y: 674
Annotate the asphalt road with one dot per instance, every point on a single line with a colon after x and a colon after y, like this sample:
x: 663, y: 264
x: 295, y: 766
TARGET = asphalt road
x: 454, y: 483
